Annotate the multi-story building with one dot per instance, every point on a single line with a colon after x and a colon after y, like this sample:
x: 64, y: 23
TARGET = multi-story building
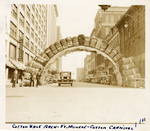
x: 104, y: 21
x: 27, y: 34
x: 131, y: 28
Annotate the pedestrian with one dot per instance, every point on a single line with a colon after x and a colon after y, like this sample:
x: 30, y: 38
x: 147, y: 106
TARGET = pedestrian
x: 22, y: 79
x: 31, y: 79
x: 38, y: 78
x: 34, y: 80
x: 14, y: 78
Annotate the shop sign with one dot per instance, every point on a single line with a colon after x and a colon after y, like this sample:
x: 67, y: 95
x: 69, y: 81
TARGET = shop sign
x: 20, y: 50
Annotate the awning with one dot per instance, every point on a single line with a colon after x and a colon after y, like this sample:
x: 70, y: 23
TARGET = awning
x: 8, y: 63
x: 22, y: 65
x: 17, y: 64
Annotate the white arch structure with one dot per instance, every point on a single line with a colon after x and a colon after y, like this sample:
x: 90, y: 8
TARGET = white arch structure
x: 78, y: 43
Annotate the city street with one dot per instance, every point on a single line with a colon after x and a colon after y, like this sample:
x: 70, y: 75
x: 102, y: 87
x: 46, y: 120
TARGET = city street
x: 83, y: 102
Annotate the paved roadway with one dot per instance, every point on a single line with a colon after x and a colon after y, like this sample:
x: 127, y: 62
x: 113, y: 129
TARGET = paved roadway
x: 83, y: 102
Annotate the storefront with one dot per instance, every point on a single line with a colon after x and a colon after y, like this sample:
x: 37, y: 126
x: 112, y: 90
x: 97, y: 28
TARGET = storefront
x: 11, y: 66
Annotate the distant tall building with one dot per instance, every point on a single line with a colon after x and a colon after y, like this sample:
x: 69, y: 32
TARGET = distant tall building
x: 59, y: 61
x: 87, y: 66
x: 80, y: 74
x: 52, y: 14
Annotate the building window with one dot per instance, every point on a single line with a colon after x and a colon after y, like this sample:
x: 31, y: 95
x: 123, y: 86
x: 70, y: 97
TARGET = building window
x: 106, y: 18
x: 119, y: 16
x: 32, y: 46
x: 31, y: 57
x: 42, y: 46
x: 133, y: 28
x: 39, y: 51
x: 36, y: 13
x: 14, y: 10
x: 39, y: 30
x: 32, y: 33
x: 32, y: 19
x: 27, y: 42
x: 12, y: 51
x: 13, y: 29
x: 23, y: 6
x: 36, y: 38
x: 39, y: 42
x: 21, y: 35
x: 40, y: 8
x: 33, y: 7
x: 21, y: 19
x: 36, y: 25
x: 112, y: 19
x: 39, y: 19
x: 26, y: 58
x: 28, y: 11
x: 27, y: 27
x: 35, y: 50
x: 106, y: 31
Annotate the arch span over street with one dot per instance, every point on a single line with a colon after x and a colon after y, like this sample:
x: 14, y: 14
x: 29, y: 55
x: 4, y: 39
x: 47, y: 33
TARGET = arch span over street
x: 82, y: 43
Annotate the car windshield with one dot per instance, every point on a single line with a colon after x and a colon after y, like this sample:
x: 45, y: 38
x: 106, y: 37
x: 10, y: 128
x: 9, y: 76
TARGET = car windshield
x: 65, y: 74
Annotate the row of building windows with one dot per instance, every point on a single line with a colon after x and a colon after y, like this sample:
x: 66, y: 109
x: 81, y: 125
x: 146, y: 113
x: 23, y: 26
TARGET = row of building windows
x: 42, y: 21
x: 133, y: 26
x: 13, y: 32
x: 13, y: 51
x: 14, y: 11
x: 111, y: 18
x: 13, y: 29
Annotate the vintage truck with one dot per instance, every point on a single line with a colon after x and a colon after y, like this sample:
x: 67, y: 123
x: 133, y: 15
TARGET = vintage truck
x: 65, y: 78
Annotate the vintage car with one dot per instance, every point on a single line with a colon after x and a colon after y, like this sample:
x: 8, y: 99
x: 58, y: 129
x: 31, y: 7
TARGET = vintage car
x: 65, y: 78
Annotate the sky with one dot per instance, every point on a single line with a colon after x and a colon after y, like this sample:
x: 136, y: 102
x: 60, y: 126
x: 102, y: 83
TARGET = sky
x: 75, y: 19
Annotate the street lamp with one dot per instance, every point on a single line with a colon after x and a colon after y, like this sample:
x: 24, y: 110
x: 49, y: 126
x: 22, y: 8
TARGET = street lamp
x: 126, y: 23
x: 104, y: 7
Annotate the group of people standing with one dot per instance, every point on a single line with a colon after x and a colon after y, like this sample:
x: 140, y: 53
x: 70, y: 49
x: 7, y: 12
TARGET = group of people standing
x: 35, y: 79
